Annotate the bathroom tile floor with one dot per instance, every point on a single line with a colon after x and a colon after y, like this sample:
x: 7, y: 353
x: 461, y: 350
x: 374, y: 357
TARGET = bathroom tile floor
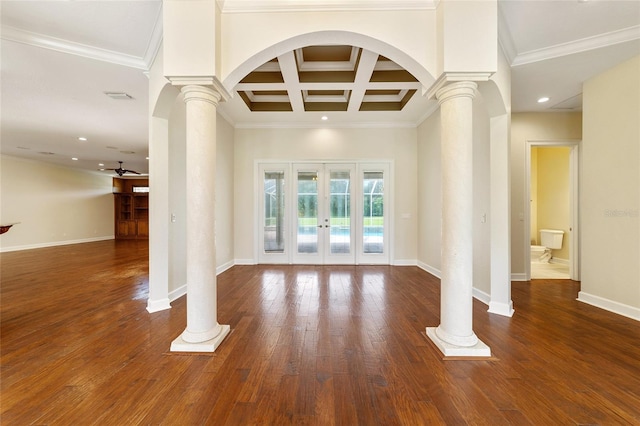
x: 549, y: 271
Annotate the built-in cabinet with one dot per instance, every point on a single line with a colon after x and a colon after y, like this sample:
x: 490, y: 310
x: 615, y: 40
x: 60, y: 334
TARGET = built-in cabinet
x: 131, y: 209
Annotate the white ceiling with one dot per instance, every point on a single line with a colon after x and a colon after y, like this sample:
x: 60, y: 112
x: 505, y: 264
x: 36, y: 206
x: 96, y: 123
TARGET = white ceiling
x: 58, y: 58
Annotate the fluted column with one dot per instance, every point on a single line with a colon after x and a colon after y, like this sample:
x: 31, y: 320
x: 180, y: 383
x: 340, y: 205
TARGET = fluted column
x: 454, y: 336
x: 203, y: 333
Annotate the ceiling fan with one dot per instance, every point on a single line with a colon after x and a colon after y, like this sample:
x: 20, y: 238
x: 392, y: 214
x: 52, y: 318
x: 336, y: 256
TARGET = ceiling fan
x: 120, y: 171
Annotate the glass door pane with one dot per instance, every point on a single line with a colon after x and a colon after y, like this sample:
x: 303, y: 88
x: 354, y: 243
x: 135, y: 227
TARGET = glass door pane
x: 274, y: 229
x: 340, y: 211
x: 373, y: 212
x: 307, y: 206
x: 273, y: 199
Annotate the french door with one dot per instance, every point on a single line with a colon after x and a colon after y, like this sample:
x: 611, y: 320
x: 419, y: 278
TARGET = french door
x: 324, y: 231
x: 323, y: 213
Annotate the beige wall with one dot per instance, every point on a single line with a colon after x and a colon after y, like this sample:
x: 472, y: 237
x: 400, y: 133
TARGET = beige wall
x: 55, y: 205
x: 430, y: 196
x: 610, y: 201
x: 532, y: 127
x: 551, y: 194
x: 177, y: 194
x: 396, y: 144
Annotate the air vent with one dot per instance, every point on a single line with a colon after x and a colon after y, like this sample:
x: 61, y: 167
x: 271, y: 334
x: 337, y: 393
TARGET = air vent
x: 119, y: 95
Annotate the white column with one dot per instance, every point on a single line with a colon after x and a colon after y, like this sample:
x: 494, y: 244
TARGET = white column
x: 203, y: 333
x: 454, y: 336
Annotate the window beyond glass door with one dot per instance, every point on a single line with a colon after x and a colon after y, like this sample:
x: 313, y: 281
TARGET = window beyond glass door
x: 373, y: 220
x: 308, y: 226
x: 340, y: 212
x: 274, y: 211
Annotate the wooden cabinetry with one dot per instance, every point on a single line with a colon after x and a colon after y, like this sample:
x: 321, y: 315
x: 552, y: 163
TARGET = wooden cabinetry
x: 131, y: 210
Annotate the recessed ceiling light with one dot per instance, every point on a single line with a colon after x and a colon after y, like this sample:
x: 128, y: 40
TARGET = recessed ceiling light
x: 74, y: 158
x: 324, y: 118
x: 82, y: 138
x: 147, y: 158
x: 101, y: 164
x: 543, y: 100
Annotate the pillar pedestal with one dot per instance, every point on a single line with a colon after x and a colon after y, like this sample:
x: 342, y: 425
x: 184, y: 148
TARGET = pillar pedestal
x: 203, y: 333
x: 454, y: 336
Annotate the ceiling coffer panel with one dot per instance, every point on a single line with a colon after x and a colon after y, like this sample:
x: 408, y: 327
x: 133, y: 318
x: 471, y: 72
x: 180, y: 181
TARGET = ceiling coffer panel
x: 328, y: 78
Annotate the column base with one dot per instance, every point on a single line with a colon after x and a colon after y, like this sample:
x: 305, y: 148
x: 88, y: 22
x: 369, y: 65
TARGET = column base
x: 179, y: 345
x: 499, y: 308
x: 478, y: 350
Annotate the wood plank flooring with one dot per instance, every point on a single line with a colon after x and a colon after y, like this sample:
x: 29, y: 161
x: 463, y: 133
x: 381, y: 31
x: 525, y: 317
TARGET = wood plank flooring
x: 333, y: 345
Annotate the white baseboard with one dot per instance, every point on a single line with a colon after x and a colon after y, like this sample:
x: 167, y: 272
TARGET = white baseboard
x: 182, y: 290
x: 244, y: 262
x: 158, y: 305
x: 499, y: 308
x: 559, y: 261
x: 610, y: 305
x: 519, y: 277
x: 56, y: 243
x: 430, y: 269
x: 481, y: 296
x: 178, y: 292
x: 221, y: 268
x: 405, y: 262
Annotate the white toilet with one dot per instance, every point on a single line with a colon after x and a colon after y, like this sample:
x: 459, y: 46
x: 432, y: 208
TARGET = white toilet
x: 550, y: 239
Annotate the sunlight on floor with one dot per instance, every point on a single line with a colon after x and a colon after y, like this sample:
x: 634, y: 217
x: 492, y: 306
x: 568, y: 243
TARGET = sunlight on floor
x: 549, y: 271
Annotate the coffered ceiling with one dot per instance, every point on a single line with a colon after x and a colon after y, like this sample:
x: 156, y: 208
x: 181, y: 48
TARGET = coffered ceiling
x: 60, y: 58
x: 328, y: 78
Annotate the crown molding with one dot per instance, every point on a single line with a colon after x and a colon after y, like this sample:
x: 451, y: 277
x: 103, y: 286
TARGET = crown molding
x: 505, y: 40
x: 155, y: 42
x: 65, y: 46
x: 260, y: 6
x: 578, y: 46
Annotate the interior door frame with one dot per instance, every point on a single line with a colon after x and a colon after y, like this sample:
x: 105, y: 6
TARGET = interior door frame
x: 574, y: 200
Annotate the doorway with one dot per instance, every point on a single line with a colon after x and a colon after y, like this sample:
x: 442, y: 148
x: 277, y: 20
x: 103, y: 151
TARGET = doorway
x: 552, y: 190
x: 324, y: 213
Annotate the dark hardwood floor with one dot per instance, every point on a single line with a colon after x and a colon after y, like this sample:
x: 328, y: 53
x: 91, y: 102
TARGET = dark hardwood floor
x: 329, y: 345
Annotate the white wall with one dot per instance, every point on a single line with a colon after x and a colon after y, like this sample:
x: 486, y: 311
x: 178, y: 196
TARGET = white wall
x: 481, y: 200
x: 411, y: 33
x: 610, y: 199
x: 430, y: 196
x: 397, y: 144
x: 177, y: 195
x: 55, y: 205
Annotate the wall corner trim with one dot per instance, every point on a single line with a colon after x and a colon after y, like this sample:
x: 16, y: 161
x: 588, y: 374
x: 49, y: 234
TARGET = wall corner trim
x: 158, y: 305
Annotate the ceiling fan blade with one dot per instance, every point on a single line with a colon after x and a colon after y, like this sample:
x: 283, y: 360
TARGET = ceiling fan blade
x: 130, y: 171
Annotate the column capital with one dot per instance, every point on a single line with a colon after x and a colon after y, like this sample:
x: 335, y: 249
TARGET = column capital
x: 455, y: 90
x: 201, y: 93
x: 210, y: 82
x: 448, y: 78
